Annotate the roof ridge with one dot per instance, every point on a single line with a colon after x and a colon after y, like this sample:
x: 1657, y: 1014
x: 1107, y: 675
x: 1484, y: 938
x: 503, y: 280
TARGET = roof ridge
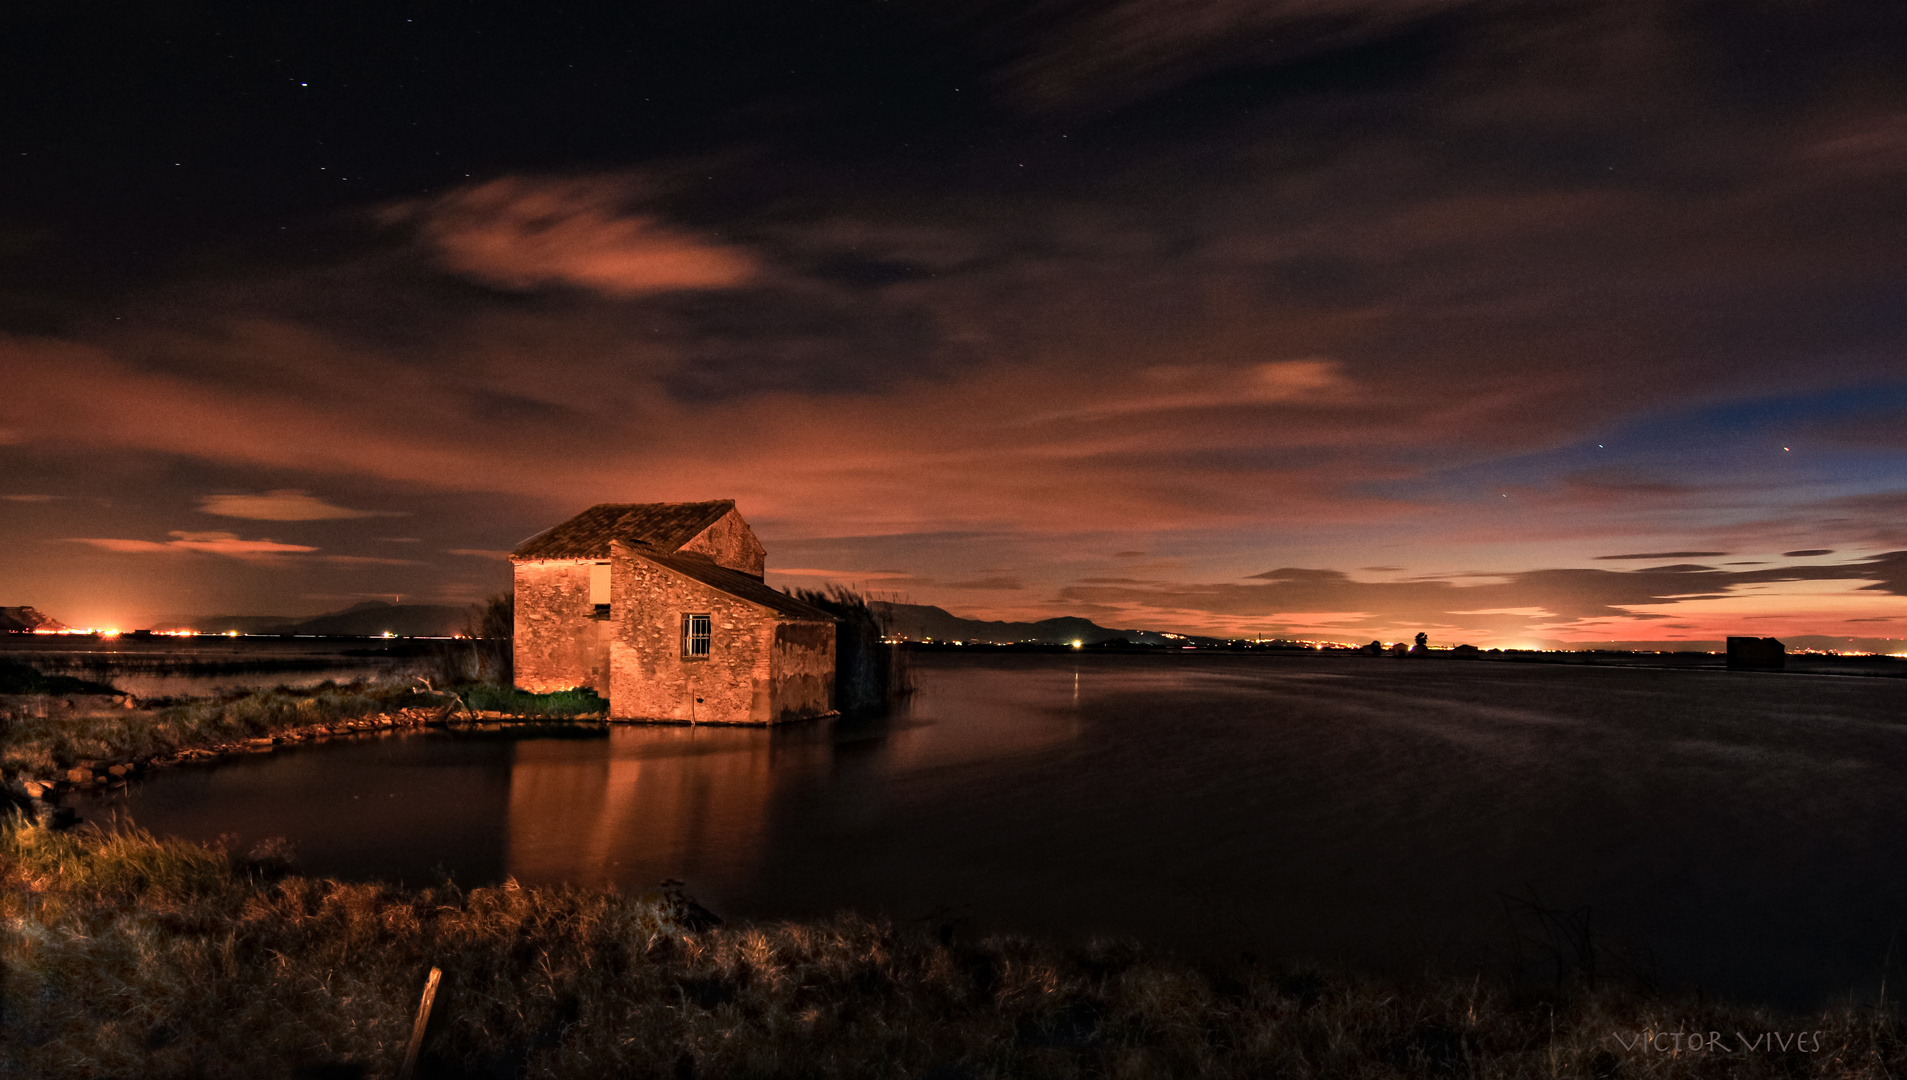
x: 746, y: 587
x: 661, y: 526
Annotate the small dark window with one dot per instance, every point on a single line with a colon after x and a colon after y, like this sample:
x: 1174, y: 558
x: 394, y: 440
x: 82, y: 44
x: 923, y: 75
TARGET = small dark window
x: 601, y: 611
x: 695, y: 636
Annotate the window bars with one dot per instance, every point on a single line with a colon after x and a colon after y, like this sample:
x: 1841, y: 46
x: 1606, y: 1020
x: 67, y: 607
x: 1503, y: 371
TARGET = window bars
x: 695, y: 636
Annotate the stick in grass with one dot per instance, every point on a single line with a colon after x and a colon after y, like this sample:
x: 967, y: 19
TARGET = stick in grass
x: 423, y: 1021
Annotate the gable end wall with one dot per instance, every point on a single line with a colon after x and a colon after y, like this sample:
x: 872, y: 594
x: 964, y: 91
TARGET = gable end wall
x: 731, y: 543
x: 559, y: 645
x: 650, y: 679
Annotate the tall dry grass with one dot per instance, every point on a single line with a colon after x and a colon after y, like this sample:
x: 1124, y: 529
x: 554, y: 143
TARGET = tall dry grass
x: 487, y: 655
x: 870, y: 676
x: 127, y: 956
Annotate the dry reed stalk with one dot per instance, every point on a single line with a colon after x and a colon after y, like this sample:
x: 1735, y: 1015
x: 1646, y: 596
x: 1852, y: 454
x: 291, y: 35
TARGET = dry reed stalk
x: 423, y: 1021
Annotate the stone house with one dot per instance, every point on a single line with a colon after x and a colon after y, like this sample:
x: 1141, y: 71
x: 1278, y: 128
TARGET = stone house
x: 661, y: 608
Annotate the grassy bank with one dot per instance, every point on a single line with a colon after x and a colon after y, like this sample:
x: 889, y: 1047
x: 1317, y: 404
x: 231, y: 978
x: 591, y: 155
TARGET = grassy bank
x: 47, y: 740
x: 44, y: 739
x: 126, y: 956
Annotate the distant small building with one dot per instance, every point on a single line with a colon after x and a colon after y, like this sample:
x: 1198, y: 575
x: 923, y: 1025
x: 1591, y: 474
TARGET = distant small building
x: 1757, y: 654
x: 661, y: 608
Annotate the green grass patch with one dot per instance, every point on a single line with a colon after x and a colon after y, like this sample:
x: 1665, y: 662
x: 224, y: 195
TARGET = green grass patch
x: 578, y: 702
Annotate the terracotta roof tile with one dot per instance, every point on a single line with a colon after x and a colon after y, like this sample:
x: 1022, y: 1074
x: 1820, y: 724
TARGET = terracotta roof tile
x: 663, y: 527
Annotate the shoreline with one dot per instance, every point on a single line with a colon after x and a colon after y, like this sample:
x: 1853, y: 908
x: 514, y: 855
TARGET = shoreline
x: 40, y: 794
x: 93, y: 742
x: 93, y: 774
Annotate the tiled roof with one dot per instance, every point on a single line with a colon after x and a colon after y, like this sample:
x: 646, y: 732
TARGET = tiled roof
x: 735, y: 583
x: 661, y: 526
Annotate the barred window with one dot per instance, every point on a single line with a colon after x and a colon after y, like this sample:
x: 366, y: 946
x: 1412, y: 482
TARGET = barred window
x: 695, y: 636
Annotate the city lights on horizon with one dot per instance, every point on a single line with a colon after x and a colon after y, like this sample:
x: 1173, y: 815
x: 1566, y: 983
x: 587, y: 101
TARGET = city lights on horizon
x: 1316, y: 644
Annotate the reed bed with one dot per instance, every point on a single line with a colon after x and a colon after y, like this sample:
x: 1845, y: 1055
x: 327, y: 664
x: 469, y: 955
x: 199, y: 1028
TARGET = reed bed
x: 870, y: 675
x: 130, y: 956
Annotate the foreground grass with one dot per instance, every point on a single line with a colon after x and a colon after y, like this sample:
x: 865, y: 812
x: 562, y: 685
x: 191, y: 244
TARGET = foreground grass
x: 129, y: 956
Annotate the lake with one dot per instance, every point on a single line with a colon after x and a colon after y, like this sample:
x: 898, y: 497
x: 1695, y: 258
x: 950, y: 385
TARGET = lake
x: 1738, y: 831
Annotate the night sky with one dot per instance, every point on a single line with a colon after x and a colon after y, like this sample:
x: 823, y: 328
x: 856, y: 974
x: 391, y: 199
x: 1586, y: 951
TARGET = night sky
x: 1516, y: 322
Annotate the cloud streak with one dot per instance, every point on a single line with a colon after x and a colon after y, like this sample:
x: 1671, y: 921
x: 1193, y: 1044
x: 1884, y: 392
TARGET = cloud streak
x: 1569, y: 604
x: 520, y: 233
x: 1135, y: 47
x: 286, y: 504
x: 204, y: 543
x: 1656, y: 555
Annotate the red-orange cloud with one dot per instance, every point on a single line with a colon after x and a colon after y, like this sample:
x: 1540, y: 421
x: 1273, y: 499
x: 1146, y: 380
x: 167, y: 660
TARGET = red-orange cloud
x: 208, y: 543
x: 285, y: 504
x: 525, y: 233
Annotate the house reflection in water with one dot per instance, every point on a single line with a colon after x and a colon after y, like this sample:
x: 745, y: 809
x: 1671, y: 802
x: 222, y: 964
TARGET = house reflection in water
x: 772, y: 818
x: 659, y: 802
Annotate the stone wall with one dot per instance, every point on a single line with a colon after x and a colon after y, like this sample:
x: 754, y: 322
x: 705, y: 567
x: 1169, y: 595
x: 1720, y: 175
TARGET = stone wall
x: 559, y: 643
x: 803, y: 669
x: 651, y: 679
x: 731, y: 543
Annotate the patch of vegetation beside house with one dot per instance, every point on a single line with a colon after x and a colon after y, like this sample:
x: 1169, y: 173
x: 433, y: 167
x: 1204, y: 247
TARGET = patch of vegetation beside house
x: 497, y: 702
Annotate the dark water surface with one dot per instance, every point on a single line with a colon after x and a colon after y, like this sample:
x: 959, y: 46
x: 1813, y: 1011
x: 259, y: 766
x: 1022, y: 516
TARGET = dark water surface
x: 1746, y: 832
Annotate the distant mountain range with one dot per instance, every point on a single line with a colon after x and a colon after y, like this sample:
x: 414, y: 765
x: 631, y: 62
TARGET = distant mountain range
x: 918, y: 622
x: 18, y: 620
x: 369, y: 619
x: 922, y: 622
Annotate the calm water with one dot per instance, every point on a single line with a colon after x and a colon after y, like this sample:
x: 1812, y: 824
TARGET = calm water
x: 1741, y: 831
